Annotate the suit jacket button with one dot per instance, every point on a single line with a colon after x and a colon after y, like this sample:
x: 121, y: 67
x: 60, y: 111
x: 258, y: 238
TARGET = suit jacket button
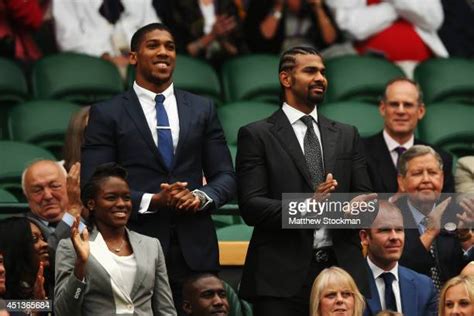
x: 129, y: 306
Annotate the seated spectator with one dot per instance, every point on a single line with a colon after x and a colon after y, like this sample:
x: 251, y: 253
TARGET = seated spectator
x: 400, y: 30
x: 204, y: 295
x: 392, y: 286
x: 464, y: 176
x: 19, y: 19
x: 115, y: 270
x: 25, y: 267
x: 273, y: 26
x: 53, y: 204
x: 402, y: 108
x: 75, y: 137
x: 432, y: 248
x: 207, y: 29
x: 101, y: 28
x: 335, y: 290
x: 457, y: 297
x: 457, y: 31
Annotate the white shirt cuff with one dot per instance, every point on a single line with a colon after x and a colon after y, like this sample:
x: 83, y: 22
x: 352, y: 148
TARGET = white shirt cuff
x: 69, y: 220
x: 208, y: 199
x: 145, y: 204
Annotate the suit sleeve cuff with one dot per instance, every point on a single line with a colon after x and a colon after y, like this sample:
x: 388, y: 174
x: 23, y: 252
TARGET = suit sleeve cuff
x: 145, y: 204
x: 207, y: 201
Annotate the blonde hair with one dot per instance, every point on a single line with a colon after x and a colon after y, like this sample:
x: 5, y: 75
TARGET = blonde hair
x: 467, y: 281
x: 331, y: 276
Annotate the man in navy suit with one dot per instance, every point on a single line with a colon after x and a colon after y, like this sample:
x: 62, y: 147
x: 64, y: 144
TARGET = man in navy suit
x: 167, y: 139
x: 392, y: 286
x: 402, y: 108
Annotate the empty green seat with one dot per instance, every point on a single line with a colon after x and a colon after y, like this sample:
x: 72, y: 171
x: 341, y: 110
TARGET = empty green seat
x: 449, y: 126
x: 193, y: 75
x: 446, y: 80
x: 235, y: 115
x: 364, y: 116
x: 359, y: 78
x: 14, y: 158
x: 251, y: 77
x: 238, y: 232
x: 75, y: 77
x: 7, y: 197
x: 43, y: 123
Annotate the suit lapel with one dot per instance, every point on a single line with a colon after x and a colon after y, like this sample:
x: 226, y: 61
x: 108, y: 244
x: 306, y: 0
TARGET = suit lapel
x: 284, y: 132
x: 373, y: 303
x: 134, y: 109
x: 185, y: 114
x: 140, y: 257
x: 385, y: 163
x: 408, y: 294
x: 329, y: 140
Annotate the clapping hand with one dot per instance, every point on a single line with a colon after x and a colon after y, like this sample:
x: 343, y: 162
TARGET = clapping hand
x: 73, y: 187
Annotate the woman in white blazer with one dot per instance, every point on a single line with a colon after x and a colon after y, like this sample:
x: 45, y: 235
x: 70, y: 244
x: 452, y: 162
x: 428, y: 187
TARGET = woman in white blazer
x: 112, y: 270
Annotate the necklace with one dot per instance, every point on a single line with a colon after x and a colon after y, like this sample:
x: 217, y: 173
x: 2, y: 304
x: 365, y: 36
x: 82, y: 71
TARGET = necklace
x: 121, y: 245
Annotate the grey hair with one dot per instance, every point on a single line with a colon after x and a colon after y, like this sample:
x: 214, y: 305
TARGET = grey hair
x: 413, y: 152
x: 59, y: 164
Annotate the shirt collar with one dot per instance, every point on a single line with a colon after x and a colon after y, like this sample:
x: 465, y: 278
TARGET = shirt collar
x: 146, y: 94
x: 376, y: 271
x: 295, y: 115
x: 392, y: 143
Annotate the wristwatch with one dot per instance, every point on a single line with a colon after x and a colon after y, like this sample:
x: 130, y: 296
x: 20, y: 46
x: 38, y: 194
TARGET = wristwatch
x: 203, y: 200
x: 277, y: 14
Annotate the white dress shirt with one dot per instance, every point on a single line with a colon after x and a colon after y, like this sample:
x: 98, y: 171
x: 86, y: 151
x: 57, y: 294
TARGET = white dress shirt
x: 392, y: 144
x: 322, y: 237
x: 377, y: 273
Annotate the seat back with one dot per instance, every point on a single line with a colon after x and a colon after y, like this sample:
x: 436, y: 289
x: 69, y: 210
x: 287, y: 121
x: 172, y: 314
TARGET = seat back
x: 449, y: 126
x: 7, y: 197
x: 359, y: 78
x: 446, y: 80
x: 75, y: 77
x: 251, y: 77
x: 43, y: 123
x: 238, y: 232
x: 14, y: 158
x: 364, y: 116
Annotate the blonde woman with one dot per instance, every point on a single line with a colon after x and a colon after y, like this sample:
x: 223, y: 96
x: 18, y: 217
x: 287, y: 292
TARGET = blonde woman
x: 334, y: 291
x: 457, y: 297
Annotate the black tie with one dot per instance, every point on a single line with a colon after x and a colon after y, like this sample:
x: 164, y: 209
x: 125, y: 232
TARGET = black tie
x: 111, y: 10
x: 390, y: 302
x: 434, y: 270
x: 399, y: 150
x: 312, y: 152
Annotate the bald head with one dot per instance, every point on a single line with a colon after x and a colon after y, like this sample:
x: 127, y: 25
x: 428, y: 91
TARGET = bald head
x: 44, y: 185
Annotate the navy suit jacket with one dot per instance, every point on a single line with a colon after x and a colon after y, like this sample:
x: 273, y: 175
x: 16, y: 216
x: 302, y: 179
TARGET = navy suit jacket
x: 117, y: 131
x: 383, y: 173
x: 418, y: 294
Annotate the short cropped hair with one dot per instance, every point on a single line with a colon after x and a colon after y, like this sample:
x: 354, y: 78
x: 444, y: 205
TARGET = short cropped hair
x: 288, y: 60
x: 404, y: 79
x: 137, y: 37
x: 23, y: 174
x: 413, y: 152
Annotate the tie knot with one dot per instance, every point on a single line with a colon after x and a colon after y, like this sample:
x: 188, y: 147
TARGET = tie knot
x: 307, y: 120
x: 400, y: 150
x: 388, y: 278
x: 159, y: 98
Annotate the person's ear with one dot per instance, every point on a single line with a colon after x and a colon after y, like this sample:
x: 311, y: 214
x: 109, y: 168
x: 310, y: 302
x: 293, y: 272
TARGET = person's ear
x: 132, y: 58
x: 187, y: 307
x: 401, y: 184
x: 91, y: 205
x: 285, y: 79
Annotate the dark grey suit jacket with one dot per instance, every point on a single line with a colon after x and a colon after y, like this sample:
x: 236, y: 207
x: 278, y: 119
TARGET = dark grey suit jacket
x: 118, y: 132
x: 61, y: 231
x: 270, y: 162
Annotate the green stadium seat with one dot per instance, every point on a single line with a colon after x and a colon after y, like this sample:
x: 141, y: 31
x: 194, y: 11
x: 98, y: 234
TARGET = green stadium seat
x: 14, y: 158
x: 42, y: 123
x: 446, y: 80
x: 449, y: 126
x: 239, y: 232
x: 252, y: 77
x: 74, y: 77
x: 359, y: 78
x: 237, y: 307
x: 193, y: 75
x: 364, y: 116
x: 13, y: 90
x: 7, y: 197
x: 237, y: 114
x: 225, y: 220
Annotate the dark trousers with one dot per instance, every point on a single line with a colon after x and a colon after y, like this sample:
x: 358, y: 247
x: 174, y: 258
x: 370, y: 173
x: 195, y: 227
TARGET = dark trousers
x: 297, y: 305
